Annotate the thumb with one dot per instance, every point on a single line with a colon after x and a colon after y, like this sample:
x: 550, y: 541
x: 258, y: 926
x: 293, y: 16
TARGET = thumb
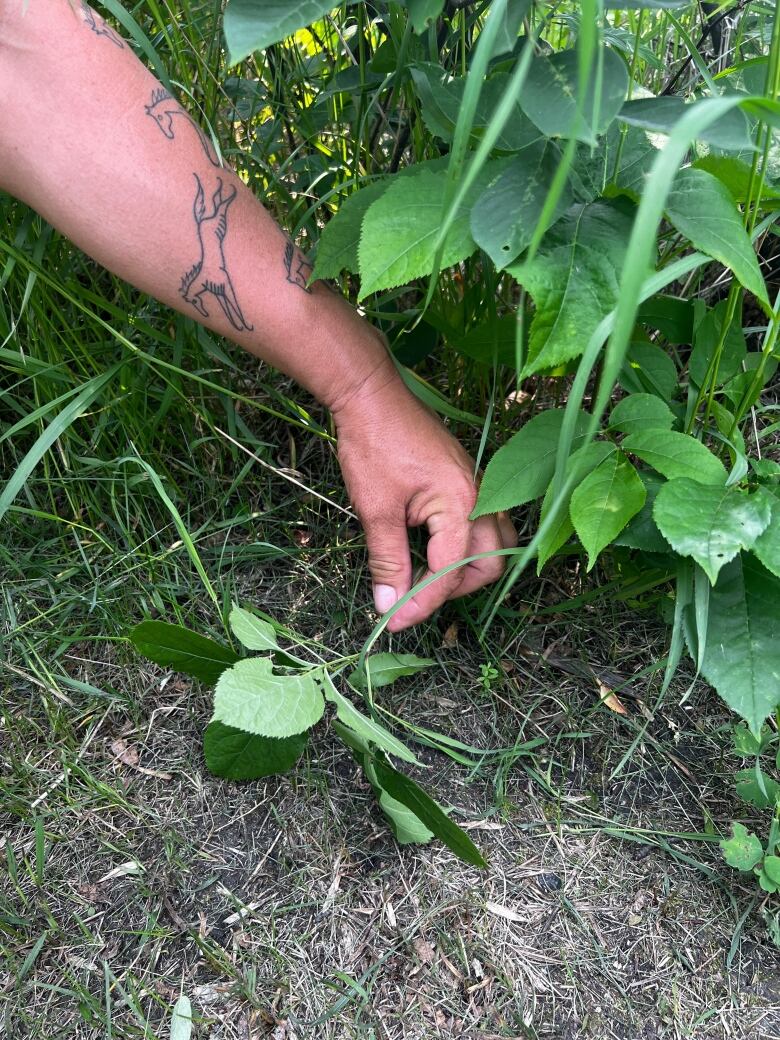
x: 389, y: 560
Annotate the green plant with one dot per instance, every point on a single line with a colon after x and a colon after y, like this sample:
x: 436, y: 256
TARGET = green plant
x: 594, y: 212
x: 265, y: 706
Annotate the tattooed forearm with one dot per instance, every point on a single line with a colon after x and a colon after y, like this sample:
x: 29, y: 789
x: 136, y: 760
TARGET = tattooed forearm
x: 163, y: 109
x: 99, y: 27
x: 297, y: 267
x: 209, y: 275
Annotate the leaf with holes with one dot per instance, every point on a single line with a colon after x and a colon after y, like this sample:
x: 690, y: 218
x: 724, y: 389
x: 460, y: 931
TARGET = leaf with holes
x: 604, y: 502
x: 711, y: 524
x: 504, y: 218
x: 742, y: 850
x: 252, y: 697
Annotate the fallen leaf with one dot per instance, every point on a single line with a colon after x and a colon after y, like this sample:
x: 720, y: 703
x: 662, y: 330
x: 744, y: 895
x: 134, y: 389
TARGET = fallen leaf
x: 126, y: 753
x: 608, y: 698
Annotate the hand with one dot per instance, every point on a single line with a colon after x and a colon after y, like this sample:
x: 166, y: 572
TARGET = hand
x: 403, y: 469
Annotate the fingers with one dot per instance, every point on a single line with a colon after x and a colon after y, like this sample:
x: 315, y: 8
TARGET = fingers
x: 488, y: 534
x: 452, y: 541
x: 389, y: 560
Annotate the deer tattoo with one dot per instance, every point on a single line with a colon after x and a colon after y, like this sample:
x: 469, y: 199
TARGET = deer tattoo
x: 99, y: 27
x: 163, y: 109
x: 297, y: 267
x: 209, y: 274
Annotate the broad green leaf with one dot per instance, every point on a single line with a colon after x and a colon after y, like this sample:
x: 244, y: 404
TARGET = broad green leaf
x: 735, y: 175
x: 749, y: 788
x: 771, y: 867
x: 386, y: 668
x: 181, y: 1019
x: 703, y: 210
x: 400, y: 229
x: 747, y: 744
x: 642, y: 532
x: 504, y: 218
x: 236, y: 755
x: 407, y: 828
x: 253, y: 25
x: 442, y: 100
x: 251, y: 631
x: 672, y: 316
x: 604, y: 502
x: 511, y: 18
x: 765, y: 469
x: 522, y: 468
x: 573, y: 280
x: 619, y: 163
x: 706, y: 337
x: 404, y: 790
x: 742, y: 657
x: 368, y: 729
x: 175, y: 647
x: 580, y: 463
x: 767, y: 545
x: 648, y: 369
x: 766, y: 882
x: 641, y: 412
x: 549, y: 95
x: 742, y: 850
x: 337, y: 249
x: 631, y: 5
x: 676, y: 455
x: 711, y: 524
x: 731, y: 132
x: 423, y: 12
x: 252, y: 697
x: 492, y: 340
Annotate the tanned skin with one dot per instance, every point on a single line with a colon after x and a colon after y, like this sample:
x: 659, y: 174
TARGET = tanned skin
x: 101, y: 150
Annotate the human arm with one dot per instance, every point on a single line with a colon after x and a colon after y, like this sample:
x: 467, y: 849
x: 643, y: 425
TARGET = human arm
x: 91, y: 140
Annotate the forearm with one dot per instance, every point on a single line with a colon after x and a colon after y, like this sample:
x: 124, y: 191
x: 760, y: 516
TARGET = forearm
x: 90, y: 140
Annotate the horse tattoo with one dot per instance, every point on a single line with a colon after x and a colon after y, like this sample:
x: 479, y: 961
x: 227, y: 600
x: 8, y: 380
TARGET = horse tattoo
x: 209, y: 274
x: 298, y: 267
x: 163, y: 108
x: 99, y: 27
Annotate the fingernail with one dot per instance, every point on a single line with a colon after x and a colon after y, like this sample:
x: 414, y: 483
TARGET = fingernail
x: 384, y: 598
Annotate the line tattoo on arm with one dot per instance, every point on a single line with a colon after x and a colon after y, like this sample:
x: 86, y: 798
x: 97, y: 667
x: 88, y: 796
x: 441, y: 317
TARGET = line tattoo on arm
x: 297, y: 267
x: 163, y: 108
x: 209, y: 274
x: 99, y: 27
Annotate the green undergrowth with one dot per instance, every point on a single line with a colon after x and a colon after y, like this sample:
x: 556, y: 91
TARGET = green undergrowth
x: 563, y: 218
